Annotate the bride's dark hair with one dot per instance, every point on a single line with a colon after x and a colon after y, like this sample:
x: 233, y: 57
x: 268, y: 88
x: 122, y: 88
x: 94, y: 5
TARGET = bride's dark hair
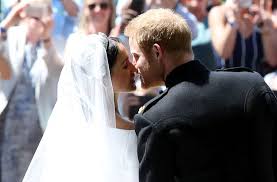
x: 112, y: 50
x: 110, y: 44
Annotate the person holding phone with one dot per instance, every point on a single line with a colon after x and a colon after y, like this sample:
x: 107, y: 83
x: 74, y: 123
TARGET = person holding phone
x: 28, y: 96
x: 126, y: 10
x: 243, y: 34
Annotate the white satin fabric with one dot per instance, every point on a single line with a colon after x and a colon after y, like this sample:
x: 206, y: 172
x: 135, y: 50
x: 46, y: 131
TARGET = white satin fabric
x: 81, y: 143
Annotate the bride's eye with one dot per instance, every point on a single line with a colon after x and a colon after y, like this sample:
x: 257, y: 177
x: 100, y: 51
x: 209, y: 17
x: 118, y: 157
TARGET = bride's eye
x: 125, y: 64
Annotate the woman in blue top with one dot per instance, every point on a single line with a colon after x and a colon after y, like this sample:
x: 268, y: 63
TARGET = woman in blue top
x: 243, y: 34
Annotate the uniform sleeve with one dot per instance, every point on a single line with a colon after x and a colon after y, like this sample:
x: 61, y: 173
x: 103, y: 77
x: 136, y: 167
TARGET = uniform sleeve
x: 271, y: 102
x: 155, y: 153
x: 262, y: 108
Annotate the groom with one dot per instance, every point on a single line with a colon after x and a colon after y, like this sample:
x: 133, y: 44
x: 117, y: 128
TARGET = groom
x: 207, y: 126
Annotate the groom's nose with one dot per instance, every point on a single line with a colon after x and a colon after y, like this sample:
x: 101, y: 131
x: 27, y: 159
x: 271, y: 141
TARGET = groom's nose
x: 133, y: 68
x: 132, y: 60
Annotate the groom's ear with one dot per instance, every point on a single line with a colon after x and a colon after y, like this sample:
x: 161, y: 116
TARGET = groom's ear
x: 157, y: 50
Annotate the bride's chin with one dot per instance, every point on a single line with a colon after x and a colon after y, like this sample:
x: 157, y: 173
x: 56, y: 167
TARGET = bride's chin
x: 130, y: 88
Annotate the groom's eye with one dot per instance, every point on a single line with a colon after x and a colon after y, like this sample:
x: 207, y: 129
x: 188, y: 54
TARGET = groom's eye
x: 135, y: 56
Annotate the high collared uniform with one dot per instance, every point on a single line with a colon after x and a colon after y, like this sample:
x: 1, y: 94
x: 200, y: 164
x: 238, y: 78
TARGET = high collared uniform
x: 208, y: 127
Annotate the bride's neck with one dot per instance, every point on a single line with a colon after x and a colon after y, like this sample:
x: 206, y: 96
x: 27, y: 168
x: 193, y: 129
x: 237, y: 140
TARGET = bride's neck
x: 115, y: 102
x: 121, y: 123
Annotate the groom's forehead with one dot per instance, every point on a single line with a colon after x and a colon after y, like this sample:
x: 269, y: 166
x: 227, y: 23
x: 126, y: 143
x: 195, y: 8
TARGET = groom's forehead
x: 134, y: 47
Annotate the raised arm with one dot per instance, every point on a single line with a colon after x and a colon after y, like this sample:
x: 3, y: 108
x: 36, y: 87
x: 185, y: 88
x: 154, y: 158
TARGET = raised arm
x: 223, y: 25
x: 51, y: 58
x: 71, y: 7
x: 267, y: 24
x: 12, y: 18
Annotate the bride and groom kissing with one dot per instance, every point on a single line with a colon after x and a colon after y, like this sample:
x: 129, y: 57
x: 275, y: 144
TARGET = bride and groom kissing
x: 206, y: 126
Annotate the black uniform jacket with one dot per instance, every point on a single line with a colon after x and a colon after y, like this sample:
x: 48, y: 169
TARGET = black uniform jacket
x: 208, y: 127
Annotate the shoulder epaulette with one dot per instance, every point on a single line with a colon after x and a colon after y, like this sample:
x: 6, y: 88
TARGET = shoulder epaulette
x: 152, y: 102
x: 236, y: 69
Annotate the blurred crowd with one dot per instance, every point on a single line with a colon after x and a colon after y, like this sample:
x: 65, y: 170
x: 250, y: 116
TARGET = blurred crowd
x: 33, y: 36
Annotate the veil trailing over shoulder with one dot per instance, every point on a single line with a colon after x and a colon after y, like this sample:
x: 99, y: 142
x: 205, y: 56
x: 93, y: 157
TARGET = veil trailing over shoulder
x: 81, y: 143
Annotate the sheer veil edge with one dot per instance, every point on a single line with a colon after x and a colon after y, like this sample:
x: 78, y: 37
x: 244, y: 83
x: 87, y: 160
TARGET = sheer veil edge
x: 81, y: 143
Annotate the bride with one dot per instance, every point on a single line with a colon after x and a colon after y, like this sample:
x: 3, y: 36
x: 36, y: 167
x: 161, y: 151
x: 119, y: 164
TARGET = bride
x: 83, y: 142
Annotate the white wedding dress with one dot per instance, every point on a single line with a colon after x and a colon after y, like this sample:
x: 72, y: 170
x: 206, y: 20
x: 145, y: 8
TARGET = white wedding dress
x: 81, y: 143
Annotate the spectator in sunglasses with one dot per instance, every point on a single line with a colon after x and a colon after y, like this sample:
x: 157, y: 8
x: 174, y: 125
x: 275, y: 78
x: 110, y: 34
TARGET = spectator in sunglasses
x: 97, y: 16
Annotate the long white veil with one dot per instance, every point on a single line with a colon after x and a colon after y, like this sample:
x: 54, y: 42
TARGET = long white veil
x: 81, y: 143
